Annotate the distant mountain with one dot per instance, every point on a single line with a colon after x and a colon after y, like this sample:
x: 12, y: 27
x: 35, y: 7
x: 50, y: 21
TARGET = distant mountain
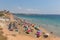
x: 33, y: 14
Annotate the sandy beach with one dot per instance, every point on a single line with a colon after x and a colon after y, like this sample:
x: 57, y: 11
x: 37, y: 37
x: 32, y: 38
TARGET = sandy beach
x: 12, y: 35
x: 24, y: 37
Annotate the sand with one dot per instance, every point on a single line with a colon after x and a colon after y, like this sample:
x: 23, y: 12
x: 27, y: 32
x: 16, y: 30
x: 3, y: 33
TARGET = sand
x: 11, y: 35
x: 17, y: 36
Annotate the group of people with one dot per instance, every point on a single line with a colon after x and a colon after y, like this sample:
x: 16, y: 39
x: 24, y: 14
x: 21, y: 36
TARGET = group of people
x: 12, y: 26
x: 27, y: 27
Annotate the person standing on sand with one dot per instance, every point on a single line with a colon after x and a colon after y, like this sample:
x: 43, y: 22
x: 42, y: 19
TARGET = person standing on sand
x: 25, y: 27
x: 38, y: 33
x: 28, y: 31
x: 32, y: 25
x: 10, y: 27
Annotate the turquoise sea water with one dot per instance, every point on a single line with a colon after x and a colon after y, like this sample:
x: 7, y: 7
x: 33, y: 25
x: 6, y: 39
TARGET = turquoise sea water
x: 49, y: 22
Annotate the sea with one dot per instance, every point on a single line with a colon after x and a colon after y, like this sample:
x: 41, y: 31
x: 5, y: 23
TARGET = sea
x: 50, y: 22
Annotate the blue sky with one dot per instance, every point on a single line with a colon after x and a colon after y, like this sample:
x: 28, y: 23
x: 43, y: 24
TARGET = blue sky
x: 31, y: 6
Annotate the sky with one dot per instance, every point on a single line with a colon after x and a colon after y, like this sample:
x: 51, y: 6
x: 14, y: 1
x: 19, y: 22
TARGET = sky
x: 31, y: 6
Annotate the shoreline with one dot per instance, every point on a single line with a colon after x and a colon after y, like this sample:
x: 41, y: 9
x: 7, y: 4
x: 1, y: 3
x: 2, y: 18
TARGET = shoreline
x: 35, y: 23
x: 23, y: 35
x: 31, y: 23
x: 41, y: 26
